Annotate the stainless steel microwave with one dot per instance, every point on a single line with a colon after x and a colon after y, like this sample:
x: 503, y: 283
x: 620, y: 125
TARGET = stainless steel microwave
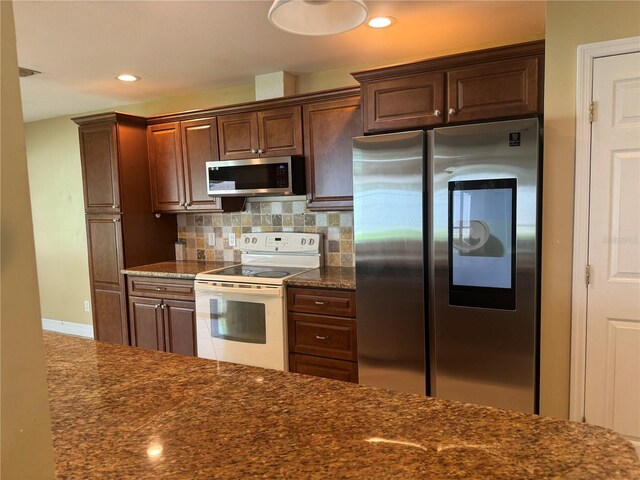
x: 256, y: 176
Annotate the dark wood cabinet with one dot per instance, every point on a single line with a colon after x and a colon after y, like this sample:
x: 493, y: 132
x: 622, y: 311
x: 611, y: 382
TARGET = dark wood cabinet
x: 180, y: 327
x: 238, y: 136
x: 165, y: 164
x: 324, y: 367
x: 492, y: 90
x: 329, y: 127
x: 199, y: 146
x: 491, y: 84
x: 165, y: 317
x: 104, y: 241
x: 178, y: 152
x: 147, y: 325
x: 267, y: 133
x: 409, y: 102
x: 322, y: 333
x: 122, y: 230
x: 100, y: 181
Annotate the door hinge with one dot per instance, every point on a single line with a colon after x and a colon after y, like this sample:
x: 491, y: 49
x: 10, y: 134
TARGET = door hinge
x: 588, y: 274
x: 592, y: 111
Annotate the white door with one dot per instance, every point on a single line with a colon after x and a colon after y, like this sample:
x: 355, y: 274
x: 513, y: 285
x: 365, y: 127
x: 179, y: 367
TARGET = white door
x: 612, y: 383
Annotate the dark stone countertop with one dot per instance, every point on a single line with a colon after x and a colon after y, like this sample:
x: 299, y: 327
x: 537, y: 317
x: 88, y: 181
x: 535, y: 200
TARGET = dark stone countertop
x: 176, y: 269
x: 127, y: 413
x: 326, y: 277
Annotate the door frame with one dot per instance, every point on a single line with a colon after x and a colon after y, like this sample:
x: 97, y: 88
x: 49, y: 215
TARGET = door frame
x: 587, y: 53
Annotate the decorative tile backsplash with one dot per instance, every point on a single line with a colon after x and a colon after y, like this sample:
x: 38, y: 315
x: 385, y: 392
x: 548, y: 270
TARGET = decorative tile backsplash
x: 259, y: 216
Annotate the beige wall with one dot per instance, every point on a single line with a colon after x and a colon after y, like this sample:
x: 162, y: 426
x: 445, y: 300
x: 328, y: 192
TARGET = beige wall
x: 26, y: 432
x: 568, y: 25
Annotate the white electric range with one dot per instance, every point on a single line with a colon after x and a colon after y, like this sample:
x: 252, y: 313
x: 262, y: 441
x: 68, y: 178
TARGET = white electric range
x: 241, y: 310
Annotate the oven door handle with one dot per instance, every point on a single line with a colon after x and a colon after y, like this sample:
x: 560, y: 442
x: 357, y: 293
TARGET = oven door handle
x: 260, y: 290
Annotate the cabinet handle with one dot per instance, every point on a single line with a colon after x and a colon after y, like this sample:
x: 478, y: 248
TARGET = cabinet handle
x: 115, y: 207
x: 163, y: 306
x: 260, y: 151
x: 318, y: 302
x: 188, y: 204
x: 161, y: 288
x: 452, y: 111
x: 181, y: 204
x: 116, y: 220
x: 253, y: 150
x: 158, y: 305
x: 437, y: 113
x: 320, y: 337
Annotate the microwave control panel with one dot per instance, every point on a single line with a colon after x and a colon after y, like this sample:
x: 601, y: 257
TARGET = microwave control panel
x: 282, y: 176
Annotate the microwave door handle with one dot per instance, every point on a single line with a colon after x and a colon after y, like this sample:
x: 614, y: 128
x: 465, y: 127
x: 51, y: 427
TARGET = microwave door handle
x: 266, y: 292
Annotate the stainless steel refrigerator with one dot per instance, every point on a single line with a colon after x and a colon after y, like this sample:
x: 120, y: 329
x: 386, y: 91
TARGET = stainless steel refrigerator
x: 446, y: 244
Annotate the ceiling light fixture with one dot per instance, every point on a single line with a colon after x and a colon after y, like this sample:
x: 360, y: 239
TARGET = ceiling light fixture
x: 381, y: 22
x: 317, y: 17
x: 127, y: 77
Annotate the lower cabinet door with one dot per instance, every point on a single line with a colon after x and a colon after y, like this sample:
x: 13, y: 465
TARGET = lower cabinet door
x: 324, y: 367
x: 109, y: 316
x: 146, y: 323
x: 180, y: 327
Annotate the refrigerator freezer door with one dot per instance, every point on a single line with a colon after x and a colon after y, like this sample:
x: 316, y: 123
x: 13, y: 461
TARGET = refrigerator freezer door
x: 483, y: 268
x: 388, y: 227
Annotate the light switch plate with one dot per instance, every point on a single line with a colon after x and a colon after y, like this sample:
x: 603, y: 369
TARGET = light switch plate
x: 87, y: 306
x: 232, y: 239
x: 211, y: 239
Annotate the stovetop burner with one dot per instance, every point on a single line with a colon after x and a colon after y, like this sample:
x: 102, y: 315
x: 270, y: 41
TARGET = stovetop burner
x: 258, y: 271
x: 273, y: 274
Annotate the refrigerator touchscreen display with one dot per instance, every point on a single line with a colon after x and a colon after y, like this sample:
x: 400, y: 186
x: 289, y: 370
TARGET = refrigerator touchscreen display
x: 481, y: 243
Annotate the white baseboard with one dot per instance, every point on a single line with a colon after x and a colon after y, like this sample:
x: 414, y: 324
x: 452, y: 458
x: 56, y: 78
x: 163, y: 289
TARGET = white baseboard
x: 70, y: 328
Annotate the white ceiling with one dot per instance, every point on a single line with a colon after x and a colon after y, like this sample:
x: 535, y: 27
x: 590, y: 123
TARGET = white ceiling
x: 183, y: 47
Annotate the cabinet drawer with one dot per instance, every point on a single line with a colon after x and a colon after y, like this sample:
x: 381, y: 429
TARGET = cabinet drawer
x: 171, y: 288
x: 324, y: 367
x: 323, y: 336
x: 326, y: 302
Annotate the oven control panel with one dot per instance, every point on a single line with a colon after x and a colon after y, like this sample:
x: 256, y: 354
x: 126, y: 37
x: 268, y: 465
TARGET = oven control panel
x: 289, y: 242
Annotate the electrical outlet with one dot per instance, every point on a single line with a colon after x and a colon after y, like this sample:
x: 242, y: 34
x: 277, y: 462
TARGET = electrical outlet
x: 211, y: 239
x: 232, y: 239
x: 87, y: 306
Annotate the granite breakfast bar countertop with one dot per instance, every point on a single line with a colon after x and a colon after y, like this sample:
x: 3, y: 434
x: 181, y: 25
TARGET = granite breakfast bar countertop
x: 324, y: 277
x: 122, y: 412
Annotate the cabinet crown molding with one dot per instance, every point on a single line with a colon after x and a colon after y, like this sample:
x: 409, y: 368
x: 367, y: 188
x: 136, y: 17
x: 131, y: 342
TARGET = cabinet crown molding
x: 256, y: 105
x: 452, y: 61
x: 110, y: 117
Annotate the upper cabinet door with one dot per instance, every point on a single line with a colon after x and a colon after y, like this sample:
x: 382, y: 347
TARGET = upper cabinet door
x: 280, y: 132
x: 493, y: 90
x: 329, y: 129
x: 166, y: 167
x: 238, y: 136
x: 404, y: 102
x: 199, y: 145
x: 99, y: 159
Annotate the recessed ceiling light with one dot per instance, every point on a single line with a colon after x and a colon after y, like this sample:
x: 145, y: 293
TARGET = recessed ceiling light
x: 126, y: 77
x: 381, y: 22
